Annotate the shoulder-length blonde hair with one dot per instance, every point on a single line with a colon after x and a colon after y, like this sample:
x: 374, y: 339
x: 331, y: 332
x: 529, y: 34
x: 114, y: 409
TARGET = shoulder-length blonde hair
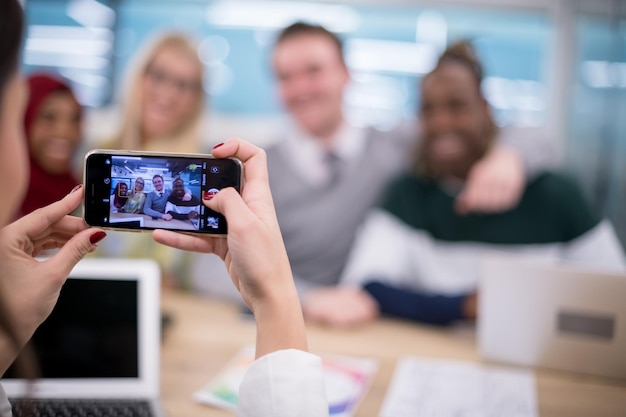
x: 186, y: 137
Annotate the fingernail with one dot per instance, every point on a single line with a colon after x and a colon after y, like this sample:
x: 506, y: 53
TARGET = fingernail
x: 207, y: 195
x: 218, y: 145
x: 78, y: 187
x: 97, y: 237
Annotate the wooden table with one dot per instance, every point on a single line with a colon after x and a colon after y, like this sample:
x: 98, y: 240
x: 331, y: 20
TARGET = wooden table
x: 206, y: 333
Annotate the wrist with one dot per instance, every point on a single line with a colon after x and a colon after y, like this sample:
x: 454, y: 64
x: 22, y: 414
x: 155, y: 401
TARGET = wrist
x: 279, y: 320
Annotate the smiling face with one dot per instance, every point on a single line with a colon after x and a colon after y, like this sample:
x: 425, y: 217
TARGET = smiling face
x: 172, y: 90
x: 178, y: 188
x: 123, y: 189
x: 55, y: 132
x: 139, y: 184
x: 311, y: 80
x: 454, y: 119
x: 157, y: 182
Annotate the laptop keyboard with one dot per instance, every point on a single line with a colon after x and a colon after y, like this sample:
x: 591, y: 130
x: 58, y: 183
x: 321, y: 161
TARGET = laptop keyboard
x: 80, y: 408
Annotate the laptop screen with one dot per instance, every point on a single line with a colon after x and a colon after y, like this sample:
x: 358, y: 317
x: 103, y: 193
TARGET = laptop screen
x: 91, y: 333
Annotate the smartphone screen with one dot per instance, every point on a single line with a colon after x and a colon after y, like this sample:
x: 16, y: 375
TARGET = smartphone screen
x: 144, y: 191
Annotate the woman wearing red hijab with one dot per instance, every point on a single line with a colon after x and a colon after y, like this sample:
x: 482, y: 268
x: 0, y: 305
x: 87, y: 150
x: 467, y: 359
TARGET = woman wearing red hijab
x: 53, y: 131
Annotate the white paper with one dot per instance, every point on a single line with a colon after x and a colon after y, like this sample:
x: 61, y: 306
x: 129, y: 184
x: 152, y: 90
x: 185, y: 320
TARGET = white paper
x: 447, y: 388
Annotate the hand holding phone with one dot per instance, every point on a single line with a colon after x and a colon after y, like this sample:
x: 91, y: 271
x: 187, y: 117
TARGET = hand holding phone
x: 139, y: 191
x: 253, y: 251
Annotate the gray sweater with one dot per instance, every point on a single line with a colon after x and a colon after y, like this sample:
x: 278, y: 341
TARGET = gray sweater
x: 319, y: 223
x: 155, y: 204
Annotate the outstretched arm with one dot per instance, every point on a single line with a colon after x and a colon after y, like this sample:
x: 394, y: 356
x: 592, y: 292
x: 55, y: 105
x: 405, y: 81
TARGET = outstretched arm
x: 284, y: 380
x: 253, y: 251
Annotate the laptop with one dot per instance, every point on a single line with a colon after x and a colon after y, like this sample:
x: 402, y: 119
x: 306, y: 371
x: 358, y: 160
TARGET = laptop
x: 560, y: 317
x: 101, y: 344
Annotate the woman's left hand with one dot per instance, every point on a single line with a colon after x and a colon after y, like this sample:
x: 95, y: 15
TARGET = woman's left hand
x: 31, y: 287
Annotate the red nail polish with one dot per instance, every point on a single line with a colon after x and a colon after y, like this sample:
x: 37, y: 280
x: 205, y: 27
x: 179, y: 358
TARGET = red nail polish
x: 218, y: 145
x: 210, y: 193
x: 78, y: 187
x: 97, y: 237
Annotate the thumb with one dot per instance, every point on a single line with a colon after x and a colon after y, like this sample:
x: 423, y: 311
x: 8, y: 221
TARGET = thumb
x: 229, y: 202
x: 74, y: 250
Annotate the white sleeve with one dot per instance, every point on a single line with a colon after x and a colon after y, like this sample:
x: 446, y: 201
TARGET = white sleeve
x: 381, y: 250
x: 170, y: 207
x: 599, y: 248
x: 285, y: 383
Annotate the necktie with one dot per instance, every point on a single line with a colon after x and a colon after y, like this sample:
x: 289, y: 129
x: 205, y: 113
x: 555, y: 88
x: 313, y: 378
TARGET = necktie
x: 333, y: 166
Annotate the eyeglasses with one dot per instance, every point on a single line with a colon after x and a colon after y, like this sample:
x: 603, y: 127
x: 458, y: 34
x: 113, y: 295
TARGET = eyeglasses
x: 182, y: 85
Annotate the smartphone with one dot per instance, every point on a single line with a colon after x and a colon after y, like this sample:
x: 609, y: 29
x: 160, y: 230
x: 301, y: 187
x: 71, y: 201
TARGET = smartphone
x: 136, y: 191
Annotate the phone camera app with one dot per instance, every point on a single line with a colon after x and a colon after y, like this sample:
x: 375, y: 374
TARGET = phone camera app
x: 213, y: 222
x: 215, y: 170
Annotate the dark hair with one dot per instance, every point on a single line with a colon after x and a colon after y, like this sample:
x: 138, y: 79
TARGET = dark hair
x: 463, y: 52
x: 301, y: 28
x: 11, y: 27
x: 157, y: 176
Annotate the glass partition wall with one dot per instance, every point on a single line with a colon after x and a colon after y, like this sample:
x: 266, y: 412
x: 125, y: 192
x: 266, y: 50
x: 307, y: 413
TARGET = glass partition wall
x: 595, y: 151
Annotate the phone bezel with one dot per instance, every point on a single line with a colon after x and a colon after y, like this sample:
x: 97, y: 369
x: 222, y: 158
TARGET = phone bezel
x: 117, y: 152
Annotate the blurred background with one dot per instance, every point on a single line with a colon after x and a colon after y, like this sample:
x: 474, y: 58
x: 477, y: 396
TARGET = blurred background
x: 555, y: 64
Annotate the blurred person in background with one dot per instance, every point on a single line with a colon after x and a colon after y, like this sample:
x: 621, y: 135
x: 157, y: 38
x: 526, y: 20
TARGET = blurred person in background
x: 162, y: 113
x: 327, y: 174
x: 52, y: 123
x: 416, y: 257
x: 163, y: 108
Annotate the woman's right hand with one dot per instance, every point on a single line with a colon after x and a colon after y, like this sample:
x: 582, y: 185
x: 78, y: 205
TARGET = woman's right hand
x: 253, y: 251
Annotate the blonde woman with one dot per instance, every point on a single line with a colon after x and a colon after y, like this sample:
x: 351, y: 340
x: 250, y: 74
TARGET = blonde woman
x: 136, y: 198
x: 163, y: 108
x: 162, y: 113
